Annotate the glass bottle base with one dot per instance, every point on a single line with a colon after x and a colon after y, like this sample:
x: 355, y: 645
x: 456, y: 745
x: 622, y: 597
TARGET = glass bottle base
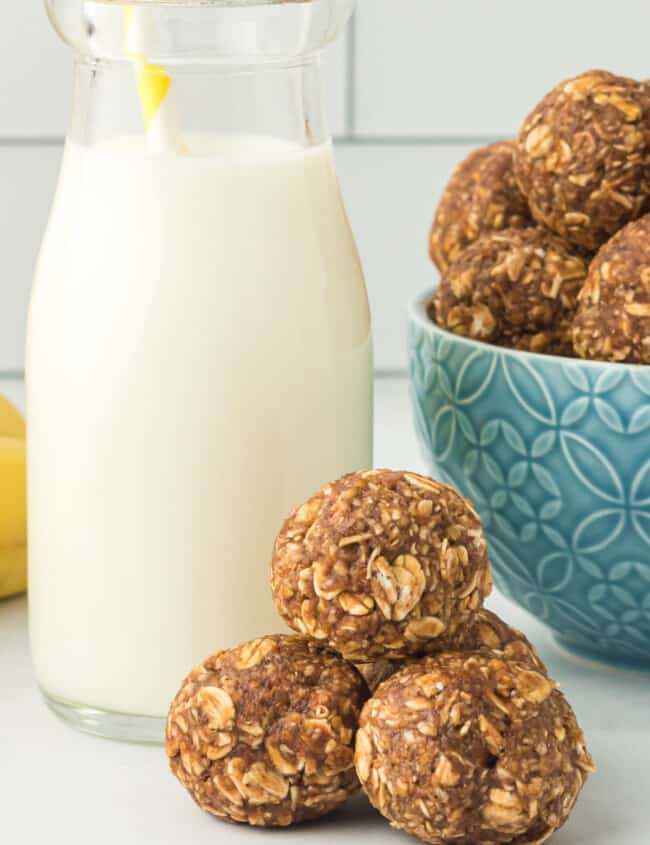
x: 124, y: 727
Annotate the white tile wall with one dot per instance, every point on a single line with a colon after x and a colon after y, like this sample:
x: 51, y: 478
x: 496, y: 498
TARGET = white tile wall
x: 391, y: 191
x: 35, y: 74
x: 473, y: 67
x: 28, y: 176
x: 335, y: 71
x: 419, y: 91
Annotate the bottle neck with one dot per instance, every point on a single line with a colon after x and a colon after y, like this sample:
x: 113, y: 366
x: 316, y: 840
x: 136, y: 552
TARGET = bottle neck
x: 113, y: 99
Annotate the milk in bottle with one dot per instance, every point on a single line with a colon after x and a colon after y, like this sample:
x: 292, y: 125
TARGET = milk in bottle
x: 199, y: 362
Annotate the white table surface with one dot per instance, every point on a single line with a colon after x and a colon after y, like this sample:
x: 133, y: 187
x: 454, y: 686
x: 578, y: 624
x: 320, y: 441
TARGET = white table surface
x: 57, y: 785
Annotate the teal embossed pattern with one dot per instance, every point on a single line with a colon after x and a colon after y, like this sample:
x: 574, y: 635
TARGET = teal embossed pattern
x: 555, y: 453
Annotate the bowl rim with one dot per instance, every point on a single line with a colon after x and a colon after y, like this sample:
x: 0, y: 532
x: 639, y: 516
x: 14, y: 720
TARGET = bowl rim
x: 418, y: 314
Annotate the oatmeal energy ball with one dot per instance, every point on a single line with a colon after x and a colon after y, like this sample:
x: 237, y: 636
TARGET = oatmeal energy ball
x: 583, y: 155
x: 482, y: 196
x: 469, y: 748
x: 381, y: 564
x: 487, y: 634
x: 263, y: 733
x: 613, y: 320
x: 515, y: 288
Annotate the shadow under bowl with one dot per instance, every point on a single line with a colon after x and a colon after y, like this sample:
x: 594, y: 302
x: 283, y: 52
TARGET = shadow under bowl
x: 555, y: 454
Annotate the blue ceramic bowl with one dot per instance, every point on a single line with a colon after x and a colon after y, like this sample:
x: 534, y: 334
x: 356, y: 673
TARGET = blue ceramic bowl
x: 555, y: 454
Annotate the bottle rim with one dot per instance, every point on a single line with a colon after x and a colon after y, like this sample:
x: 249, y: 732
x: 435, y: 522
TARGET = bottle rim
x: 202, y: 31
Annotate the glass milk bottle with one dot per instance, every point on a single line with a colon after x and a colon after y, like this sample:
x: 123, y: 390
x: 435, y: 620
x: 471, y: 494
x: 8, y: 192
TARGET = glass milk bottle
x: 199, y: 349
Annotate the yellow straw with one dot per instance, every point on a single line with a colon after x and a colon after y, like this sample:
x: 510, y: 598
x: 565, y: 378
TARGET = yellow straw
x: 154, y: 83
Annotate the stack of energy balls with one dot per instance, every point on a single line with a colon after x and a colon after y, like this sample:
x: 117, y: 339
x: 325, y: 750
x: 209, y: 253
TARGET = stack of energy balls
x: 542, y: 243
x: 397, y: 679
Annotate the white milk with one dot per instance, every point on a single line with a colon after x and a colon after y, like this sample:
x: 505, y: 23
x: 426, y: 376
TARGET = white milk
x: 199, y: 362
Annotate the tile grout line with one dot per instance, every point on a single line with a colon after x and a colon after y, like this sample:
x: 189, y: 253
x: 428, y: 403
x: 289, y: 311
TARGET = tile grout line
x: 381, y: 374
x: 348, y: 139
x: 28, y: 141
x: 414, y: 140
x: 391, y: 374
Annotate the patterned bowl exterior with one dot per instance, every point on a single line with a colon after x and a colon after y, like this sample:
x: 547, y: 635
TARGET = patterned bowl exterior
x: 555, y: 453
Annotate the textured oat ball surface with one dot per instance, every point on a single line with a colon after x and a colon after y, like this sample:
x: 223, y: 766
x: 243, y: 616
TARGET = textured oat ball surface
x: 381, y: 564
x: 263, y: 733
x: 487, y: 634
x: 471, y: 749
x: 516, y: 288
x: 613, y: 320
x: 493, y: 637
x: 582, y: 157
x: 482, y: 196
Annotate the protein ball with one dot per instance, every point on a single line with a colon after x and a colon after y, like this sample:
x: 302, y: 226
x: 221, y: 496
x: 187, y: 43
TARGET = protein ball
x: 583, y: 154
x: 487, y: 634
x: 482, y: 196
x: 613, y: 320
x: 469, y: 748
x: 514, y: 288
x: 263, y: 733
x: 381, y: 564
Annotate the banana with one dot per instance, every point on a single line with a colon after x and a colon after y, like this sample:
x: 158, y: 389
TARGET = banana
x: 13, y: 501
x: 13, y: 571
x: 11, y: 422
